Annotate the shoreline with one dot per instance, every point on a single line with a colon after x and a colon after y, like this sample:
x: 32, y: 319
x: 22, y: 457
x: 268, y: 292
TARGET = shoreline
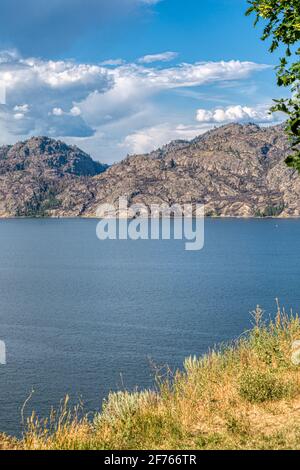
x: 93, y: 217
x: 258, y: 372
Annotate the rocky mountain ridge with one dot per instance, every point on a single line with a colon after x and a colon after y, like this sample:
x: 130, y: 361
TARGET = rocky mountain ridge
x: 235, y: 170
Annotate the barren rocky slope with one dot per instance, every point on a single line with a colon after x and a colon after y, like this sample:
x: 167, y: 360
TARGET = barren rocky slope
x: 235, y: 170
x: 34, y: 174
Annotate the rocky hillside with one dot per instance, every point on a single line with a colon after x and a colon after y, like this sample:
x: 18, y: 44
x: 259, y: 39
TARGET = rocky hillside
x: 235, y: 170
x: 34, y: 174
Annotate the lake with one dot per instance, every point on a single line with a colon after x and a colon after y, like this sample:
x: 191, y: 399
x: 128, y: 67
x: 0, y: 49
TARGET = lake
x: 82, y: 317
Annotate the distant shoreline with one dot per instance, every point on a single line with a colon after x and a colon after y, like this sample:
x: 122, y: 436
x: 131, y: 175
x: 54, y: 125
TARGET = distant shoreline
x: 225, y: 217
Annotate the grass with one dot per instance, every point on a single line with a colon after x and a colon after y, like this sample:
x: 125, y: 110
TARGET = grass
x: 243, y: 396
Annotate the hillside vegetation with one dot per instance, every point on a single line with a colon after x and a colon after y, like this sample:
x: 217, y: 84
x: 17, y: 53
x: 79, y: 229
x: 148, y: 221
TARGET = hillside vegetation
x: 235, y: 170
x: 243, y: 396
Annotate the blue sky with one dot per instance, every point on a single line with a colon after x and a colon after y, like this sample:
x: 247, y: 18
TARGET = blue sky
x: 206, y: 30
x: 126, y: 76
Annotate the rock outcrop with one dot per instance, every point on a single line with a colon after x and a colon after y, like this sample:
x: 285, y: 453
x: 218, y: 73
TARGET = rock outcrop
x: 235, y: 170
x: 34, y: 175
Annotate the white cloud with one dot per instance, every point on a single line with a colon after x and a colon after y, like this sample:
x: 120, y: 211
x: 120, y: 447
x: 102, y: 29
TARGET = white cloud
x: 49, y: 88
x: 113, y: 62
x: 236, y: 113
x: 82, y: 101
x: 148, y: 139
x: 187, y: 75
x: 162, y: 57
x: 19, y: 116
x: 57, y: 112
x: 75, y: 111
x: 134, y: 86
x: 23, y: 108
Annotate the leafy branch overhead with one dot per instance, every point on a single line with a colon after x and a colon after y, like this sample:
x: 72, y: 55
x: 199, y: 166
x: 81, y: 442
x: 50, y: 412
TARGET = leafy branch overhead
x: 282, y: 19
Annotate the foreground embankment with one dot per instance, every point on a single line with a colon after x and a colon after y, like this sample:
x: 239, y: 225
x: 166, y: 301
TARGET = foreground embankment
x: 243, y: 396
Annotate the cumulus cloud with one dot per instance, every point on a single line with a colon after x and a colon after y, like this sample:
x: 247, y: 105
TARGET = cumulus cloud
x: 135, y: 85
x: 162, y: 57
x: 78, y: 100
x: 43, y: 94
x: 57, y: 112
x: 148, y: 139
x: 75, y: 111
x: 236, y: 113
x: 43, y: 26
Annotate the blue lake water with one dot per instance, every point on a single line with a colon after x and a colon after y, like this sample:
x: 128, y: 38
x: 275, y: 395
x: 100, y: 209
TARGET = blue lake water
x: 83, y: 317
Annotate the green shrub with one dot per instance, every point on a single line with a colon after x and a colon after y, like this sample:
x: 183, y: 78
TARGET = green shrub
x: 270, y: 211
x: 122, y: 405
x: 259, y: 387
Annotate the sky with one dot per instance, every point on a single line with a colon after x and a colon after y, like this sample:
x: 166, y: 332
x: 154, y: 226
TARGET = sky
x: 119, y: 77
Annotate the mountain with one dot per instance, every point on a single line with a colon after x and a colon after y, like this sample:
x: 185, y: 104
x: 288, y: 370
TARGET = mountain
x: 35, y: 174
x: 235, y: 170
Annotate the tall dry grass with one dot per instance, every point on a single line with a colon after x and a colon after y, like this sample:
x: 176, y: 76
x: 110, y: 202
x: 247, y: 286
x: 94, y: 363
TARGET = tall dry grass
x: 243, y: 396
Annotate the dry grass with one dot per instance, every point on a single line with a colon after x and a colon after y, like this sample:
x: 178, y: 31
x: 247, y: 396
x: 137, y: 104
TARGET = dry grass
x: 245, y: 396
